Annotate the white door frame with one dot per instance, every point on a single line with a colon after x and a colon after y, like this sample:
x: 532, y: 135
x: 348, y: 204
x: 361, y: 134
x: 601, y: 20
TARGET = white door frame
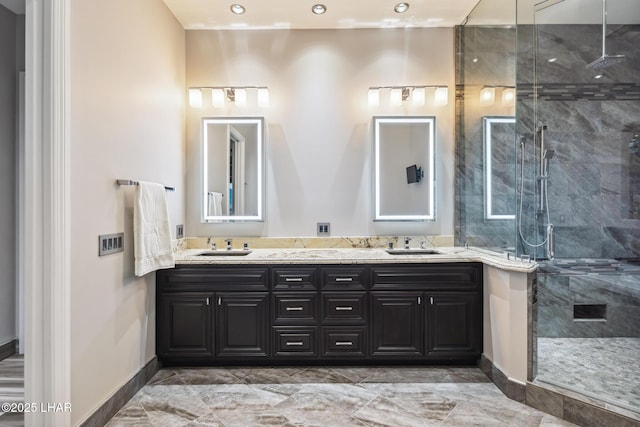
x: 46, y: 223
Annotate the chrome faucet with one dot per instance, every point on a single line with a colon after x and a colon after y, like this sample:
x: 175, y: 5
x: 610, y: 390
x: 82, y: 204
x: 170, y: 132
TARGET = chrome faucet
x: 228, y: 242
x: 406, y: 242
x: 213, y: 246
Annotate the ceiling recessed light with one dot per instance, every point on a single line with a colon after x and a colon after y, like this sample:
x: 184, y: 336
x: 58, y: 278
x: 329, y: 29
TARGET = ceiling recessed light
x: 319, y: 9
x: 401, y: 7
x: 237, y: 9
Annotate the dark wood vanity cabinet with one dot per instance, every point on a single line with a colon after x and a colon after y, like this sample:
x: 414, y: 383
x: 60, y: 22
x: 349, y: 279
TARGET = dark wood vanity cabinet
x: 185, y: 325
x: 242, y: 319
x: 281, y: 314
x: 207, y: 314
x: 397, y: 325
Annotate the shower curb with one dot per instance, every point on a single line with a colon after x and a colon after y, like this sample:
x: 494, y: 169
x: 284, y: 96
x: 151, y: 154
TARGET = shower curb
x: 555, y: 403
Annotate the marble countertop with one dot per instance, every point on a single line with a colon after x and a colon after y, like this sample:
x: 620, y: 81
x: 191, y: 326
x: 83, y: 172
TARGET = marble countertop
x: 356, y: 256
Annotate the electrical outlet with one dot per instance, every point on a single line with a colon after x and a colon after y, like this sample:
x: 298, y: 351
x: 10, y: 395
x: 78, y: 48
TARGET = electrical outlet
x: 110, y: 243
x: 179, y: 231
x: 323, y: 229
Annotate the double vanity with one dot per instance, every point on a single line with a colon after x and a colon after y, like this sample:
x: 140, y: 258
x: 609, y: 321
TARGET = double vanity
x: 288, y: 306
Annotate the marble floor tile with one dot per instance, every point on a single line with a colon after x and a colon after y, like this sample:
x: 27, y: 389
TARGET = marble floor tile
x: 326, y: 396
x: 12, y: 388
x: 605, y: 368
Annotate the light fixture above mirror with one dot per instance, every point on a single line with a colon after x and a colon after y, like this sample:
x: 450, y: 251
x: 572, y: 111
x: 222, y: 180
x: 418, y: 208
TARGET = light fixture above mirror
x: 221, y: 95
x: 488, y: 95
x: 416, y: 93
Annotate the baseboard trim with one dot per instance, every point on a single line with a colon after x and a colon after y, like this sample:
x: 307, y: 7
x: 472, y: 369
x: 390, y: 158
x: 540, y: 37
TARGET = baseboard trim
x: 512, y: 389
x: 8, y: 349
x: 554, y: 402
x: 104, y: 413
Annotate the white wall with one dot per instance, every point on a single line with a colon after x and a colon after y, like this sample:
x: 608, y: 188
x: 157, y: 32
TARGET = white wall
x: 8, y: 100
x: 505, y: 321
x: 127, y: 121
x: 318, y: 158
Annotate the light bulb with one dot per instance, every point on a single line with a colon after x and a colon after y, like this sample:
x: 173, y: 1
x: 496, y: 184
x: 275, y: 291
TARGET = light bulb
x: 195, y: 98
x: 374, y: 97
x: 487, y: 96
x: 263, y: 97
x: 241, y: 97
x: 395, y: 97
x: 217, y: 98
x: 418, y: 96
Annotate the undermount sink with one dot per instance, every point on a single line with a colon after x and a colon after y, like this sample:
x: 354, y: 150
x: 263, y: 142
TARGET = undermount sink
x: 223, y: 252
x: 413, y: 251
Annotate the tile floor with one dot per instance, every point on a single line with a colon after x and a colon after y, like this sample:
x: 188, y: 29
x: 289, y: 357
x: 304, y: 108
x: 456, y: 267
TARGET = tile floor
x: 11, y: 388
x: 321, y: 396
x: 606, y: 368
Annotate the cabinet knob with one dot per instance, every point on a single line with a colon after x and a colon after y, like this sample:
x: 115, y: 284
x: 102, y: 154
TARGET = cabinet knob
x: 219, y: 301
x: 207, y: 301
x: 344, y: 308
x: 419, y: 300
x: 344, y: 342
x: 294, y: 309
x: 294, y: 343
x: 344, y: 279
x: 431, y: 300
x: 293, y: 279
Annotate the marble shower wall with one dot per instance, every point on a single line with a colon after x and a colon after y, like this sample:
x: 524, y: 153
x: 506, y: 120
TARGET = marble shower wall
x: 485, y: 57
x: 594, y: 178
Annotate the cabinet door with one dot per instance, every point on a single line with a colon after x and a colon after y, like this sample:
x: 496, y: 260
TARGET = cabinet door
x: 185, y: 325
x: 242, y: 324
x: 453, y: 325
x: 397, y: 324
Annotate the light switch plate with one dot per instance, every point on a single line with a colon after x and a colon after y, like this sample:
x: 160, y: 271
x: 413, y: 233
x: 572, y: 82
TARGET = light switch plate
x: 110, y: 244
x: 179, y: 231
x: 324, y: 229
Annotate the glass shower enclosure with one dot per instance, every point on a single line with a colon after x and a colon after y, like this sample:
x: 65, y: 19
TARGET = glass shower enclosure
x: 578, y: 192
x: 554, y: 174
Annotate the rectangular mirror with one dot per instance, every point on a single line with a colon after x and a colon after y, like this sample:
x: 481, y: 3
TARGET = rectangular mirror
x: 404, y: 168
x: 499, y: 167
x: 232, y: 169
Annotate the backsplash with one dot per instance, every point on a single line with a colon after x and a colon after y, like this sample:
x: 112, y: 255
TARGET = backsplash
x: 359, y: 242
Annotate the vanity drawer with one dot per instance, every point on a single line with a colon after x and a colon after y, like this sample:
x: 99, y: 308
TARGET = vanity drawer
x: 447, y: 276
x: 344, y: 307
x: 298, y: 278
x: 340, y: 278
x: 295, y: 342
x: 342, y: 342
x: 299, y: 307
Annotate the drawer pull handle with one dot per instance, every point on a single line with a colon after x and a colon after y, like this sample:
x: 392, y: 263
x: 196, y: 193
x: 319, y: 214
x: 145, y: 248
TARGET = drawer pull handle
x: 344, y: 308
x: 294, y: 343
x: 295, y: 308
x: 344, y: 279
x: 293, y: 279
x: 344, y: 342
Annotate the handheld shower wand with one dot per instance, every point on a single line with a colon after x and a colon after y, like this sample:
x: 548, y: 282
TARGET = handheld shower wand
x: 549, y: 247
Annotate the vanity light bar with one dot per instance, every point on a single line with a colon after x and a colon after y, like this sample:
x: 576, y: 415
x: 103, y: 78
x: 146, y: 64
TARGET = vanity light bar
x: 488, y: 95
x: 220, y: 95
x: 417, y: 94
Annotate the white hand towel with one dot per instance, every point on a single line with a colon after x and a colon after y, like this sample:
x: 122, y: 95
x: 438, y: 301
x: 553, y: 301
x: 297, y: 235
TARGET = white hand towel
x: 215, y: 203
x: 151, y: 230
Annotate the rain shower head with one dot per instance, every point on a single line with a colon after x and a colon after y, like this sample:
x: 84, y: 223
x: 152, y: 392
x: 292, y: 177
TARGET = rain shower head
x: 548, y: 154
x: 605, y: 61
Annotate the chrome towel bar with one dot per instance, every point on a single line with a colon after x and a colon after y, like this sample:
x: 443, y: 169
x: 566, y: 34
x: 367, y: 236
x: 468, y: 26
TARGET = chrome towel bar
x: 131, y: 182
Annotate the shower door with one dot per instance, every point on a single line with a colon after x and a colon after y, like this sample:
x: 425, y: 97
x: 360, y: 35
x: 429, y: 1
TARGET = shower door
x: 579, y: 117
